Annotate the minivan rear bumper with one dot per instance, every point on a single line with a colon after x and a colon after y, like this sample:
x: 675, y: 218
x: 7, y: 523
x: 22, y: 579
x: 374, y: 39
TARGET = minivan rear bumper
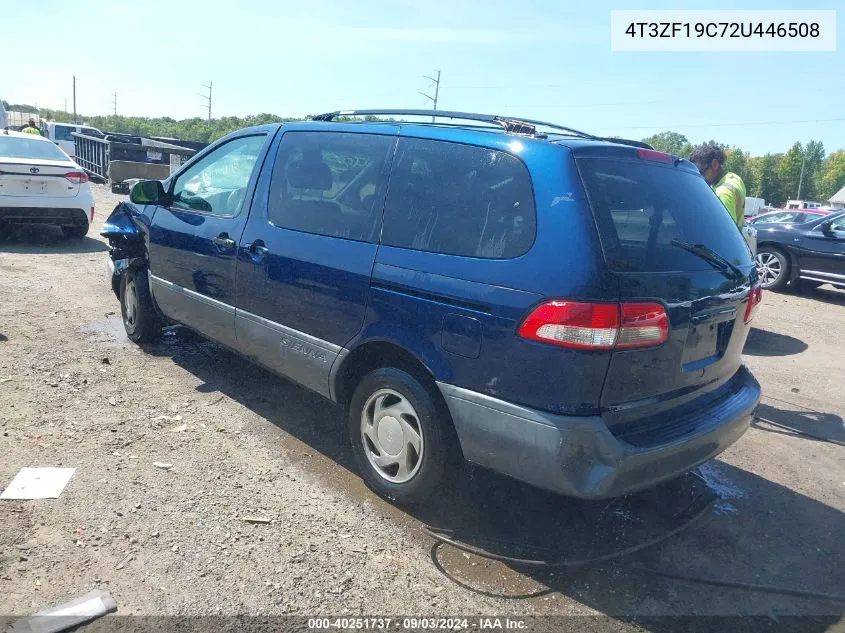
x: 578, y: 456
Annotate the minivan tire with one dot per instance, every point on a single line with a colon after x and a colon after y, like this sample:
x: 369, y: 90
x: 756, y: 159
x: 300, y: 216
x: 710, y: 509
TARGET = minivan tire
x: 413, y: 408
x: 772, y: 258
x: 140, y: 320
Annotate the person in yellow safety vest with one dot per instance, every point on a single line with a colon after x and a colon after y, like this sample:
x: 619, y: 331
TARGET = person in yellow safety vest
x: 710, y: 160
x: 31, y: 128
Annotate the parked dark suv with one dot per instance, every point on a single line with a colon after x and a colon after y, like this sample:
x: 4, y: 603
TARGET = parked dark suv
x: 567, y: 310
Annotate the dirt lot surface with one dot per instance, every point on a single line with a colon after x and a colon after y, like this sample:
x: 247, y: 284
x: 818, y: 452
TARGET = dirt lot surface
x: 244, y: 443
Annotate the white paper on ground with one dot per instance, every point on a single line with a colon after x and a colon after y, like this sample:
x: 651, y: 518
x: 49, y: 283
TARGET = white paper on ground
x: 38, y: 483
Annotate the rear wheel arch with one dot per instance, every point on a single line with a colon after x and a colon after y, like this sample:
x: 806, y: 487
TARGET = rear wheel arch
x: 373, y: 355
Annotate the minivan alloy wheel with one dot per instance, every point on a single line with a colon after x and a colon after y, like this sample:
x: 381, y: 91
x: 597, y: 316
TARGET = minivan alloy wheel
x: 769, y: 268
x: 131, y: 303
x: 392, y: 436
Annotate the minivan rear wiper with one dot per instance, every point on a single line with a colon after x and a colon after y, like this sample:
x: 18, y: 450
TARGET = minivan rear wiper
x: 708, y: 254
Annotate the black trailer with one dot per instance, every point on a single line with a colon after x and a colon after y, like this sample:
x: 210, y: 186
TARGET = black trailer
x: 120, y: 158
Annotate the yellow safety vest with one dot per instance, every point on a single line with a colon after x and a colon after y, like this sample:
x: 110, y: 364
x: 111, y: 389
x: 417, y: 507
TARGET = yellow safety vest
x: 31, y: 130
x: 731, y: 191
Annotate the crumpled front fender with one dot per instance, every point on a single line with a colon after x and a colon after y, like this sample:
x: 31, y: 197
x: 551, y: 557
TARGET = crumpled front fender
x: 126, y: 231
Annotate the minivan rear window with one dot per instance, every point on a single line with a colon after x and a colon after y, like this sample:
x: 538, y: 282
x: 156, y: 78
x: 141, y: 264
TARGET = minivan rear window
x: 641, y: 206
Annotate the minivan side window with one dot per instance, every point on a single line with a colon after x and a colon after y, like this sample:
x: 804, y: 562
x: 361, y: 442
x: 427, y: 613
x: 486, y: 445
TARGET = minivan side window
x: 331, y: 183
x: 217, y: 183
x: 458, y: 199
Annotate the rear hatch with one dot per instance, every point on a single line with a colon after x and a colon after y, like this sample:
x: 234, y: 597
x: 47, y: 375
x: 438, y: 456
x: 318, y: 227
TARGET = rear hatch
x: 669, y: 241
x: 39, y: 177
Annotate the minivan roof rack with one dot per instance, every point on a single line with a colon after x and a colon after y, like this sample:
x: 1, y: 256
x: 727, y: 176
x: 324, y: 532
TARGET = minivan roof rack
x: 514, y: 125
x: 626, y: 141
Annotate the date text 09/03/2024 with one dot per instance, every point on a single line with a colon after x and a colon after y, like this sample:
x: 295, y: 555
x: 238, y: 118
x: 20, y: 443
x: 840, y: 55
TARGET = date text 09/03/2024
x: 722, y: 29
x: 416, y: 624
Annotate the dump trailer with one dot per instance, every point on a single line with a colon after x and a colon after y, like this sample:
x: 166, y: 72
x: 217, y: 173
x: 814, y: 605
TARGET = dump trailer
x: 121, y: 159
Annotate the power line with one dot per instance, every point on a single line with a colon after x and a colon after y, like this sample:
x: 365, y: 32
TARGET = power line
x: 208, y: 98
x: 436, y: 91
x: 667, y: 126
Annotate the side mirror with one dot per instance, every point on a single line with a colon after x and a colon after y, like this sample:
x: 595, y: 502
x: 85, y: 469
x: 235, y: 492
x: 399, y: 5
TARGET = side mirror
x: 148, y: 192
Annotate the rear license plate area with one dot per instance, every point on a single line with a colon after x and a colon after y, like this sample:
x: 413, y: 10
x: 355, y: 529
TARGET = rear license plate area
x: 34, y: 187
x: 702, y: 342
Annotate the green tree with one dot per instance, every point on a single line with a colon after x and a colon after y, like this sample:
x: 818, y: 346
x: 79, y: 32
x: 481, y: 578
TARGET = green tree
x: 20, y: 107
x: 789, y: 172
x: 671, y: 143
x: 832, y: 177
x: 737, y: 161
x: 765, y: 171
x: 814, y: 157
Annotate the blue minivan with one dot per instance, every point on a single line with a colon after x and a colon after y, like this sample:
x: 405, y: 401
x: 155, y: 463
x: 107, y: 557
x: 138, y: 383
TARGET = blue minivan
x: 567, y: 310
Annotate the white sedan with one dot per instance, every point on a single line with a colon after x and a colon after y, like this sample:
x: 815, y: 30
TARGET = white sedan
x: 40, y: 184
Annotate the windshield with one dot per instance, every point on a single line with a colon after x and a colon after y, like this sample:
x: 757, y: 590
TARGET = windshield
x: 19, y: 147
x: 641, y: 208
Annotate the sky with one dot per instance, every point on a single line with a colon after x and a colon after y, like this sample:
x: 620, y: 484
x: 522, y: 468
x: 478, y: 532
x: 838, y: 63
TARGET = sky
x: 542, y: 59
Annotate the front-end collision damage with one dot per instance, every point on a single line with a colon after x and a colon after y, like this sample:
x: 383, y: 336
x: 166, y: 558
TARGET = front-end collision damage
x: 126, y: 242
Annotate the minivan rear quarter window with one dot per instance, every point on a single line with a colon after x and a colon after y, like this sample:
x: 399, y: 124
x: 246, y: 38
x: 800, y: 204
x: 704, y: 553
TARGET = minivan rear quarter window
x: 459, y: 200
x: 640, y: 207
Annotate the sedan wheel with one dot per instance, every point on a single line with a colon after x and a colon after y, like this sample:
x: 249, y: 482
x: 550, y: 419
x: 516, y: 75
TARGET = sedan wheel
x: 772, y: 269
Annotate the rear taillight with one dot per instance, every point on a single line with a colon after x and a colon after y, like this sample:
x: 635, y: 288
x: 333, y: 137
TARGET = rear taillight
x: 755, y: 297
x: 653, y: 154
x: 597, y: 326
x: 643, y: 325
x: 76, y: 177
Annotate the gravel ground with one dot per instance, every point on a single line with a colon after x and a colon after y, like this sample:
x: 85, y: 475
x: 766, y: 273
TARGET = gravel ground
x: 242, y: 443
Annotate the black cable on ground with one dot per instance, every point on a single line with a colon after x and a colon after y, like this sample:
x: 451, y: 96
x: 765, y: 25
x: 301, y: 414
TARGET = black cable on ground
x: 561, y: 562
x: 793, y: 431
x: 441, y: 539
x: 748, y: 586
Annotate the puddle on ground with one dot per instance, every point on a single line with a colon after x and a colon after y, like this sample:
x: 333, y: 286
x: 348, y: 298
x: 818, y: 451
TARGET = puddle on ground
x: 723, y: 487
x: 107, y: 331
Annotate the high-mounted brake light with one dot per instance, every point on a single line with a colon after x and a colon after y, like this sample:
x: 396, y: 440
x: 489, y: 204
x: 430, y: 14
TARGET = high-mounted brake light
x: 76, y: 177
x: 755, y: 297
x: 653, y: 154
x: 597, y: 326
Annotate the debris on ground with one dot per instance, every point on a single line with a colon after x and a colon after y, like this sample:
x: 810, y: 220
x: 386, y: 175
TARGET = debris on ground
x: 254, y: 519
x: 168, y: 418
x: 163, y: 465
x: 38, y: 483
x: 69, y: 615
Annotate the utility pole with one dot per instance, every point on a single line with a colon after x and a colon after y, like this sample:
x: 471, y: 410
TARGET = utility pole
x: 436, y: 83
x: 208, y: 98
x: 74, y: 98
x: 801, y: 178
x: 65, y: 109
x: 114, y: 103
